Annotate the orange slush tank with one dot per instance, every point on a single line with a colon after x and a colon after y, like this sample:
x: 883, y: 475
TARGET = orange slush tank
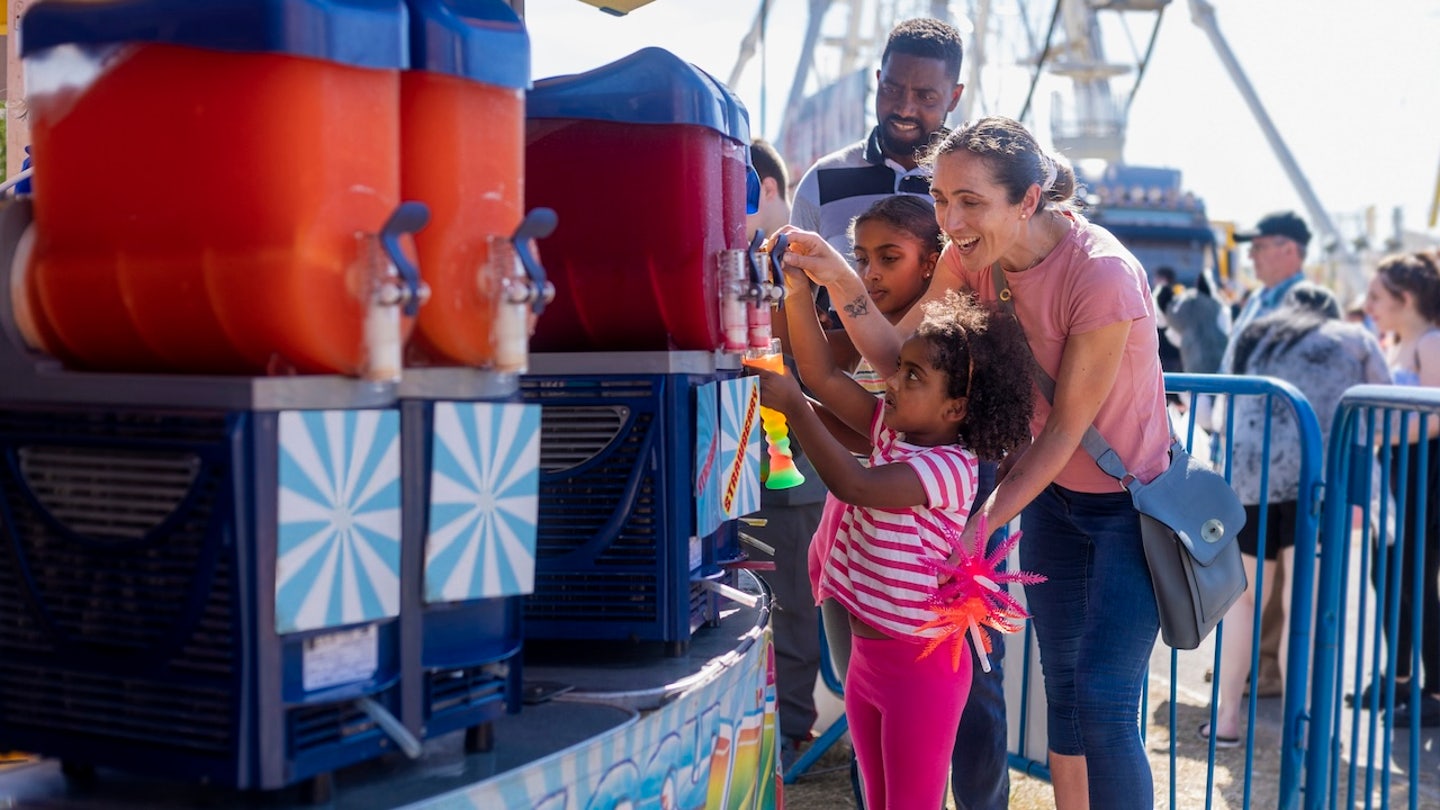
x: 644, y: 161
x: 462, y: 108
x: 199, y: 190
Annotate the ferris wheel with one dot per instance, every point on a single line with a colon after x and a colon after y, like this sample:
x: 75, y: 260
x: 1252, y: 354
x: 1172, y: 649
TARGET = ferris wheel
x: 1069, y: 68
x: 1083, y: 58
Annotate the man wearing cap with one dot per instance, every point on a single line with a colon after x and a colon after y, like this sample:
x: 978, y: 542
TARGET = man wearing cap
x: 1277, y: 249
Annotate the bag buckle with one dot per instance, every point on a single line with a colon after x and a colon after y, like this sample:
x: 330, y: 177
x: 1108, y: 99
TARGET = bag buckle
x: 1212, y: 530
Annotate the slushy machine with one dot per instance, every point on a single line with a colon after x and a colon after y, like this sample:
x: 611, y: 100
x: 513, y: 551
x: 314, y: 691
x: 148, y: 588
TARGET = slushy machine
x: 242, y: 537
x: 277, y: 493
x: 649, y: 439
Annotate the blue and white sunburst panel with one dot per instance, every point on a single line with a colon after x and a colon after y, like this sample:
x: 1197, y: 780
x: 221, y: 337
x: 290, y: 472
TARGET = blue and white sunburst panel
x: 338, y: 560
x: 740, y: 445
x: 484, y: 501
x: 709, y: 514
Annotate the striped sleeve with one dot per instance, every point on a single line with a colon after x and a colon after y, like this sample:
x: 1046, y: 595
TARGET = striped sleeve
x: 949, y: 475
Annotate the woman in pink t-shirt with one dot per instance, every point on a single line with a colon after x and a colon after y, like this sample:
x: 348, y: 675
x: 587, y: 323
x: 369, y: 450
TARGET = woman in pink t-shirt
x: 952, y: 399
x: 1085, y: 304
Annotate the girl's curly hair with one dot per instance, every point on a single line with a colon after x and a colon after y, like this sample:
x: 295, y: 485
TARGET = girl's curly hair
x: 983, y: 353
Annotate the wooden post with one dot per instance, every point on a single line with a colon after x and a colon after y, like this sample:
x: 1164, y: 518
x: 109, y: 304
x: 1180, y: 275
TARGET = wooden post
x: 17, y: 129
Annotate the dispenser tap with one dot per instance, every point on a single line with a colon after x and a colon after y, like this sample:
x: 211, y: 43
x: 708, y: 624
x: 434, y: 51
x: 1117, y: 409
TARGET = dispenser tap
x: 767, y: 288
x: 524, y: 291
x: 395, y: 288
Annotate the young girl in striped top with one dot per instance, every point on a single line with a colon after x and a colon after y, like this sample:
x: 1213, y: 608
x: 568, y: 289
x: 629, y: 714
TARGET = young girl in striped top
x: 962, y: 390
x: 896, y: 245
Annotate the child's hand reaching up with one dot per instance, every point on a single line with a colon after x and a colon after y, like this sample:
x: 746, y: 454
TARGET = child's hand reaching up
x: 780, y: 392
x: 819, y: 259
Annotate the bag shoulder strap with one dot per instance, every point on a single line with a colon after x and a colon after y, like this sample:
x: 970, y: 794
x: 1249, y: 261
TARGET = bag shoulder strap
x: 1094, y: 444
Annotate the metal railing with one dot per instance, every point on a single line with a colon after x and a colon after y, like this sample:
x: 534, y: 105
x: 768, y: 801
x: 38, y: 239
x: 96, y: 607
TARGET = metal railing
x: 1174, y: 675
x: 1365, y: 549
x: 1358, y: 754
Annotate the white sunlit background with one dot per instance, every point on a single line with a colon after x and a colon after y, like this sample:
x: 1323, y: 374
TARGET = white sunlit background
x: 1351, y: 88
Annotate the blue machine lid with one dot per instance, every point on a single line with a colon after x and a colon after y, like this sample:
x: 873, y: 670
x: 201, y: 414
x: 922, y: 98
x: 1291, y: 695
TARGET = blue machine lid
x: 482, y: 40
x: 364, y: 33
x: 737, y: 120
x: 650, y: 86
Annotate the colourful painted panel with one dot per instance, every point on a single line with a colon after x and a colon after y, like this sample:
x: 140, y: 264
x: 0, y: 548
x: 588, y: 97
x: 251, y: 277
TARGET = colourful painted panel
x: 338, y: 556
x: 709, y: 514
x: 711, y: 748
x: 740, y: 446
x: 484, y: 501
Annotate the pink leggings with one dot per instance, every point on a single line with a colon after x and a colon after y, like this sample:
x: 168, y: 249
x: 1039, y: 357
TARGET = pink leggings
x: 903, y: 717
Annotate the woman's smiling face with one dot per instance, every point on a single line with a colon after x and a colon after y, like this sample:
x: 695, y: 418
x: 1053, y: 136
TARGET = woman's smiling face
x: 973, y: 209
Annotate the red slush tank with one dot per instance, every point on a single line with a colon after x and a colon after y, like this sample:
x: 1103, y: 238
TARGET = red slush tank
x: 462, y: 127
x: 209, y: 226
x: 644, y: 160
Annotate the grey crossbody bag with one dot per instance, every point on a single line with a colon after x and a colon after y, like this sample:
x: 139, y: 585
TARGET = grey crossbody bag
x: 1189, y: 519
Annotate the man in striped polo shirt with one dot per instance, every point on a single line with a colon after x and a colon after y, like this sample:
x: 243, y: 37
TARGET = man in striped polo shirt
x: 918, y: 84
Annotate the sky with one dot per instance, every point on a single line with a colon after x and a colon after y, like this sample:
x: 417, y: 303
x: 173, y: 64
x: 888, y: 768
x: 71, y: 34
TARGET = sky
x: 1352, y: 86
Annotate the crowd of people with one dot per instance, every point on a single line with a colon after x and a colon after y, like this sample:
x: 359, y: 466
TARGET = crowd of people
x: 928, y: 272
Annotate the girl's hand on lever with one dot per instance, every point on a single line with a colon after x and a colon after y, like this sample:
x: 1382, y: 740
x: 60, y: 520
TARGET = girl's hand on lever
x: 818, y: 259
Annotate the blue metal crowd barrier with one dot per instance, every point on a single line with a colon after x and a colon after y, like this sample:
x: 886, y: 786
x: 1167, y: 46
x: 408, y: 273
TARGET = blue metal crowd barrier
x: 1270, y: 394
x: 1334, y: 751
x: 1355, y: 752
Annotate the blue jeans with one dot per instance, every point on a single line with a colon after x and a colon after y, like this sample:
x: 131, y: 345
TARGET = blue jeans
x: 980, y: 763
x: 1096, y: 623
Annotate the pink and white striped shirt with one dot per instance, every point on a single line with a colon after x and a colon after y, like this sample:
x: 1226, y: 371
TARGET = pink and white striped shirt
x: 874, y: 560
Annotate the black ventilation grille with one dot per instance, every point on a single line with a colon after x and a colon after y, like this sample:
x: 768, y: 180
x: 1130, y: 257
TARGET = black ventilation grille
x: 580, y: 598
x: 116, y: 596
x: 96, y: 705
x: 577, y: 507
x: 703, y: 605
x: 463, y: 689
x: 119, y: 584
x: 600, y: 456
x: 105, y: 492
x: 577, y: 434
x: 329, y: 726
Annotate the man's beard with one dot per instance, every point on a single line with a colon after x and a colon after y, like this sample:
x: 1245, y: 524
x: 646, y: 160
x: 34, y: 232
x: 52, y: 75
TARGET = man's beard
x: 896, y: 147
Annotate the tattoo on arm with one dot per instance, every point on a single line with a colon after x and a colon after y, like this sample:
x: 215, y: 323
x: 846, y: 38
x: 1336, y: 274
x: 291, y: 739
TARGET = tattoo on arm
x: 860, y: 306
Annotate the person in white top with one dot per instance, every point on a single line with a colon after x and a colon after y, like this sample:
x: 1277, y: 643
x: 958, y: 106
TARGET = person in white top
x: 962, y: 390
x: 789, y: 519
x: 1404, y: 301
x: 1305, y: 343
